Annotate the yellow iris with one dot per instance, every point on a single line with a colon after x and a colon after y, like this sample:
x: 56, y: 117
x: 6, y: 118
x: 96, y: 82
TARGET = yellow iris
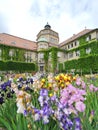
x: 43, y: 80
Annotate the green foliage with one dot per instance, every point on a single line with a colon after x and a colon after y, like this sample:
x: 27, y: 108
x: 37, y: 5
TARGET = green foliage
x: 46, y: 57
x: 93, y: 45
x: 86, y: 64
x: 60, y: 67
x: 89, y: 118
x: 18, y: 54
x: 17, y: 66
x: 9, y: 119
x: 54, y: 59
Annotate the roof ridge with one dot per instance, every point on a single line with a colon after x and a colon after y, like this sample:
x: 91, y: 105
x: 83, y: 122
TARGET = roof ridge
x: 77, y: 35
x: 18, y: 37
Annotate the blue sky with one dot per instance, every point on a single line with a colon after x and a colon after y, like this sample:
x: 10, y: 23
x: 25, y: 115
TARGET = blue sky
x: 25, y: 18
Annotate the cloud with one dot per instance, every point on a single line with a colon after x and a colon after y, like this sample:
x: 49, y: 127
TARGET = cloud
x: 25, y: 18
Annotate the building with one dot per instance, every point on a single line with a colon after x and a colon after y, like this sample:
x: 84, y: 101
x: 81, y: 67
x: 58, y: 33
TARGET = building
x: 17, y: 49
x: 83, y: 38
x: 77, y: 46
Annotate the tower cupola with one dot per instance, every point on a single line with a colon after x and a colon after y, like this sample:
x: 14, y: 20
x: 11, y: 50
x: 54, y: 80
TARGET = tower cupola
x: 47, y: 26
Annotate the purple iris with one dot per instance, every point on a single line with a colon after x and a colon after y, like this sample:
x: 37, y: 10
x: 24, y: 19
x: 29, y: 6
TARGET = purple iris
x: 1, y: 100
x: 20, y: 86
x: 3, y: 87
x: 28, y: 89
x: 44, y: 92
x: 20, y: 79
x: 25, y: 112
x: 8, y: 83
x: 31, y: 80
x: 77, y: 123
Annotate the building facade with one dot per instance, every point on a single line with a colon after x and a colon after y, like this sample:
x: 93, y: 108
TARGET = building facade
x: 19, y: 49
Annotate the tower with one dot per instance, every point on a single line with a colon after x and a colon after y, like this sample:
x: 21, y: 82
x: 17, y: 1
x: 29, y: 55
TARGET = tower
x: 45, y: 39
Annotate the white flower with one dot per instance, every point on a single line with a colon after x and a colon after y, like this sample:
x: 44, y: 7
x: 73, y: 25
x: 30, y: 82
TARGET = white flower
x: 45, y: 119
x: 20, y: 109
x: 36, y: 117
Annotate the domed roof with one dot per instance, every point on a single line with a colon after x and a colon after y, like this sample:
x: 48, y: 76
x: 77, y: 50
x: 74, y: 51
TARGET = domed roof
x: 42, y: 39
x: 47, y: 26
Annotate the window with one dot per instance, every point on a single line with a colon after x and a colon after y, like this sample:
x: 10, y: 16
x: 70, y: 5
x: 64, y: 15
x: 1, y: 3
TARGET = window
x: 42, y: 46
x: 59, y: 54
x: 65, y: 47
x: 77, y: 53
x: 53, y: 40
x: 11, y: 53
x: 41, y: 68
x: 88, y: 50
x: 97, y: 36
x: 40, y: 55
x: 0, y: 52
x: 88, y: 38
x: 68, y: 46
x: 70, y: 55
x: 25, y: 44
x: 65, y: 56
x: 72, y: 45
x: 76, y: 43
x: 13, y: 43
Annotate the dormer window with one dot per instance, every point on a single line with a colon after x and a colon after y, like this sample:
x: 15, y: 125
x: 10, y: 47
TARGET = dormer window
x: 13, y: 43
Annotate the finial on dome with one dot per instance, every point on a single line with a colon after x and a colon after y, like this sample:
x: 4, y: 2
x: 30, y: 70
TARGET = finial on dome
x: 47, y: 26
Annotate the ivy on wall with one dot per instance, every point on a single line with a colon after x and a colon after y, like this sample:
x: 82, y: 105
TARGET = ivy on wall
x: 86, y: 62
x: 60, y: 67
x: 46, y: 57
x: 54, y: 58
x: 93, y: 44
x: 16, y: 61
x: 18, y: 54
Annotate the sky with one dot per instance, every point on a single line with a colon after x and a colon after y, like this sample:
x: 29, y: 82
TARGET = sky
x: 25, y: 18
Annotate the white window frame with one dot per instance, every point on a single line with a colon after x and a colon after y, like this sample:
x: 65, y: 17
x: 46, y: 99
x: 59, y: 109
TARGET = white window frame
x: 77, y: 53
x: 88, y: 50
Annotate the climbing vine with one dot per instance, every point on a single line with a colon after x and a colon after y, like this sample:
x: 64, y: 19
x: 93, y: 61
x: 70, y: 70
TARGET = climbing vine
x: 46, y: 57
x: 93, y: 44
x: 54, y: 59
x: 18, y: 54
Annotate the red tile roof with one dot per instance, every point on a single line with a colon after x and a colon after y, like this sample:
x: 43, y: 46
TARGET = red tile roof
x: 15, y: 41
x: 75, y: 36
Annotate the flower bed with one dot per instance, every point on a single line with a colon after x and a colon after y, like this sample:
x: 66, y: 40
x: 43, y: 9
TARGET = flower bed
x: 51, y: 103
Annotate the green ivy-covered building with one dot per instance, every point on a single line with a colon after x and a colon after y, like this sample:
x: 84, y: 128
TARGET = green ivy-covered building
x: 82, y: 52
x: 17, y: 53
x: 77, y: 53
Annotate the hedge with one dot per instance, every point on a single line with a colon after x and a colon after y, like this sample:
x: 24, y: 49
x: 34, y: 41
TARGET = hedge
x: 85, y: 64
x: 16, y: 66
